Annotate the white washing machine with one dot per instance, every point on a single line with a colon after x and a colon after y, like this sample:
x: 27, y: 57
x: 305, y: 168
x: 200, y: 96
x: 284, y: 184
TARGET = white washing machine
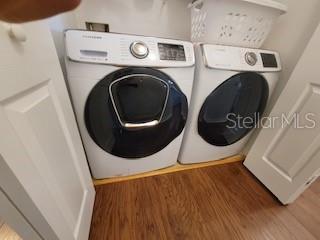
x: 130, y: 96
x: 231, y: 89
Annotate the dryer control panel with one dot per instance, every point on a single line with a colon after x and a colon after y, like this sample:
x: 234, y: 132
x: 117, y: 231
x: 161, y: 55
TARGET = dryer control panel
x: 240, y: 59
x: 127, y: 50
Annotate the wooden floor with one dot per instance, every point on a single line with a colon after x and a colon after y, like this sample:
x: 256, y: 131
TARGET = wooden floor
x: 220, y: 202
x: 6, y: 233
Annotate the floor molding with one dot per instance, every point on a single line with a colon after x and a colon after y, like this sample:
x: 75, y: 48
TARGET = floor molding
x: 173, y: 169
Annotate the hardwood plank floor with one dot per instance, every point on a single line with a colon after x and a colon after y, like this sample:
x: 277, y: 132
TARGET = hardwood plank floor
x: 219, y: 202
x: 6, y: 233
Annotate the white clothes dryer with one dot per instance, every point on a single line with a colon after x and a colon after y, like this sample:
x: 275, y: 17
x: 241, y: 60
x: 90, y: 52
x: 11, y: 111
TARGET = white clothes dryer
x: 231, y: 89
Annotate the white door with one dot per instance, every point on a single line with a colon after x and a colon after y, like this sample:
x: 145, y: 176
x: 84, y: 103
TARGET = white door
x: 286, y: 158
x: 40, y: 145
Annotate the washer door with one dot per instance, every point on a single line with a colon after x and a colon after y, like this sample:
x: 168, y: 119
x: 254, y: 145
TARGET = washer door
x: 232, y: 109
x: 135, y: 112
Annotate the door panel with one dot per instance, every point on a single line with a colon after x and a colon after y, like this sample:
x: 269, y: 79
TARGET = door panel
x: 42, y: 146
x: 285, y: 158
x: 30, y: 114
x: 298, y: 152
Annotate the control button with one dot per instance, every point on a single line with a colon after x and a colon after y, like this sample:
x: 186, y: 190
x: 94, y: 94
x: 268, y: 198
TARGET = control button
x: 139, y: 49
x: 251, y: 58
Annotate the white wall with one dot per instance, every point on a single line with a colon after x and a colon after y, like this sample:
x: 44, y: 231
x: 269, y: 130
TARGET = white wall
x: 162, y: 18
x: 171, y: 19
x: 290, y: 37
x: 57, y: 26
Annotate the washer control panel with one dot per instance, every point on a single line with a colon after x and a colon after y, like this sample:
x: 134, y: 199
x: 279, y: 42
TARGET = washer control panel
x: 139, y: 49
x: 127, y: 50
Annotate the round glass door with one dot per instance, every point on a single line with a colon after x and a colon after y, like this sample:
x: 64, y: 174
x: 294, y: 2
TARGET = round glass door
x: 135, y: 112
x: 232, y: 110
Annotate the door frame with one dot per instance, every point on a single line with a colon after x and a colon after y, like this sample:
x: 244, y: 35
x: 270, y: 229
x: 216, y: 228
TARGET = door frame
x: 18, y: 210
x: 15, y: 219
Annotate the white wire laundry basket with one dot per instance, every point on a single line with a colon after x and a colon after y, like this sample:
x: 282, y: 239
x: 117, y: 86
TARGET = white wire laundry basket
x: 243, y: 23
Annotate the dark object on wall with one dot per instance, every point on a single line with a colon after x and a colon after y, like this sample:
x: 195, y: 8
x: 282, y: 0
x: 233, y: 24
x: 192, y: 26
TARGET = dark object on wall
x: 98, y: 27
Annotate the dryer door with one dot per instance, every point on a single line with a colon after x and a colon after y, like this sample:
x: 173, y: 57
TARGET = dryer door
x: 232, y: 109
x: 135, y: 112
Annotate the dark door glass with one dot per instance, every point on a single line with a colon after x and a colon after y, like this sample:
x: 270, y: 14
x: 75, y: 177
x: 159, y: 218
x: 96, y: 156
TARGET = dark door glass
x: 232, y: 109
x: 135, y: 96
x: 139, y: 98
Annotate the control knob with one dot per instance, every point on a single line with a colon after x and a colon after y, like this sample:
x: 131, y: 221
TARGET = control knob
x: 139, y: 49
x: 251, y: 58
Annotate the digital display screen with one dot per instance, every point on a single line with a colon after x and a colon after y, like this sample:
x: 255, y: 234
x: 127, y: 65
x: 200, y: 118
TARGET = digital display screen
x: 269, y: 60
x: 171, y: 52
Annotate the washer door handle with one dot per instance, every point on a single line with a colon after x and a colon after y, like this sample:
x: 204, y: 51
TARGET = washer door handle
x: 136, y: 126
